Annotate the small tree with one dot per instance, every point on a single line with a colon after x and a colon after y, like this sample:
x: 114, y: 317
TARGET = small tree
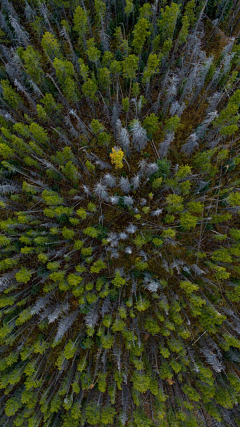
x: 92, y: 52
x: 10, y: 95
x: 31, y: 59
x: 167, y: 21
x: 51, y: 46
x: 80, y: 22
x: 140, y: 34
x: 116, y: 157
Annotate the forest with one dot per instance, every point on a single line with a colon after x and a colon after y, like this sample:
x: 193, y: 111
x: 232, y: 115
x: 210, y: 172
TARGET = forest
x: 119, y: 213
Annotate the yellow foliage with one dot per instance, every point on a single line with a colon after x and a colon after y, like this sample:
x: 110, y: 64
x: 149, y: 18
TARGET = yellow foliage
x: 116, y: 157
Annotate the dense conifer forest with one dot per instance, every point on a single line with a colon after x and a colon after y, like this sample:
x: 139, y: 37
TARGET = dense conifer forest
x: 119, y: 213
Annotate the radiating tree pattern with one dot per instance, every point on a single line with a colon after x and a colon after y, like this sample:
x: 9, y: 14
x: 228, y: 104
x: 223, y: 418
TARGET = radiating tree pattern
x: 119, y: 213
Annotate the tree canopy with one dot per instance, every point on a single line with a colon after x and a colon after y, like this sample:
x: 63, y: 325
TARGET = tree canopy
x: 119, y: 213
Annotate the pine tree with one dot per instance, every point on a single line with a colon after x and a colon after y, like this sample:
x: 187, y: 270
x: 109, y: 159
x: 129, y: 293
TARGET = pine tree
x: 51, y: 46
x: 10, y: 95
x: 140, y: 34
x: 167, y: 21
x: 81, y: 23
x: 31, y: 59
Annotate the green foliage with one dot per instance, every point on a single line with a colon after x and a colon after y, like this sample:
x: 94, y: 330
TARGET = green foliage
x: 234, y: 199
x: 51, y: 198
x: 228, y: 118
x: 12, y: 406
x: 107, y: 341
x: 107, y: 415
x: 118, y: 325
x: 163, y: 169
x: 86, y: 251
x: 152, y: 326
x: 139, y: 241
x: 92, y: 413
x: 67, y: 233
x: 188, y: 287
x: 91, y: 232
x: 31, y: 59
x: 69, y: 350
x: 150, y: 123
x: 183, y: 172
x: 100, y: 9
x: 172, y: 124
x: 140, y: 265
x: 195, y: 207
x: 23, y: 275
x: 102, y: 384
x: 149, y: 71
x: 81, y: 213
x: 98, y: 266
x: 63, y: 69
x: 92, y: 52
x: 74, y: 280
x: 222, y: 255
x: 89, y: 89
x: 174, y: 203
x: 182, y: 37
x: 129, y: 7
x: 5, y: 151
x: 91, y: 207
x: 39, y: 133
x: 188, y: 221
x: 24, y: 316
x: 167, y: 21
x: 78, y: 244
x: 141, y: 382
x: 191, y: 393
x: 142, y: 304
x: 51, y: 46
x: 118, y: 281
x: 70, y: 90
x: 104, y: 77
x: 140, y: 34
x: 125, y: 104
x: 157, y: 242
x: 119, y: 269
x: 84, y: 70
x: 189, y: 11
x: 156, y: 184
x: 10, y: 95
x: 96, y: 126
x: 80, y: 21
x: 6, y: 301
x: 141, y: 420
x: 130, y: 65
